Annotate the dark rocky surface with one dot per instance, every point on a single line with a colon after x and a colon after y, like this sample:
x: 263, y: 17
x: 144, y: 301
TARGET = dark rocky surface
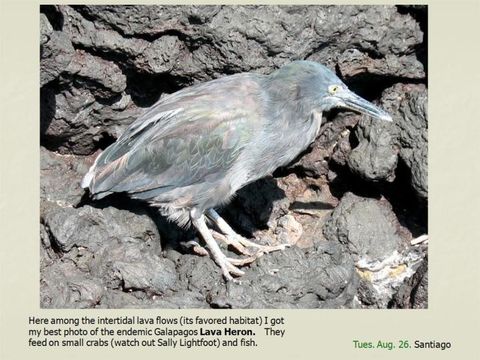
x: 349, y: 205
x: 366, y: 228
x: 413, y: 294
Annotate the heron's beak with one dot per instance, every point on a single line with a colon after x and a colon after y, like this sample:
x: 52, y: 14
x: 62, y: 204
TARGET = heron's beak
x: 354, y: 102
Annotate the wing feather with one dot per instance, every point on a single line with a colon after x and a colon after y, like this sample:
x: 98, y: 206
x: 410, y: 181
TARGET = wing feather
x: 188, y: 137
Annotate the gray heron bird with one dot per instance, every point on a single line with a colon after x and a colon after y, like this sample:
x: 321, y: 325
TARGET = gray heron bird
x: 192, y: 150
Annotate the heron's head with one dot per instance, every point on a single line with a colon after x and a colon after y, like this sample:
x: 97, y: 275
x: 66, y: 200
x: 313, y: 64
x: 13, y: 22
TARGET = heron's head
x: 324, y: 90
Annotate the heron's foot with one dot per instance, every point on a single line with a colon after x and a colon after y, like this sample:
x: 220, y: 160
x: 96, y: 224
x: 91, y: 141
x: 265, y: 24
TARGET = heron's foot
x: 229, y: 266
x: 241, y: 244
x: 247, y: 247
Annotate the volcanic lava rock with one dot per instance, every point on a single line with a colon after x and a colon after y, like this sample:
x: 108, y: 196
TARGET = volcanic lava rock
x: 101, y: 66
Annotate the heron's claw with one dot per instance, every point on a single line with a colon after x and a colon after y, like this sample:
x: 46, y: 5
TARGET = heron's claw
x: 228, y: 267
x: 195, y: 247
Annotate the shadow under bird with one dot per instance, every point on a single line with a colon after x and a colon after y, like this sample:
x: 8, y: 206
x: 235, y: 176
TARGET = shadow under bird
x: 192, y: 150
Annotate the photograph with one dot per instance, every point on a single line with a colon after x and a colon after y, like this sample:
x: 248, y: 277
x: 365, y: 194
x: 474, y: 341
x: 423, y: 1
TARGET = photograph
x: 233, y: 157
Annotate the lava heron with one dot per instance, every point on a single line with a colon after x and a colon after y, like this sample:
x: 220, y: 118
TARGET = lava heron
x: 192, y: 150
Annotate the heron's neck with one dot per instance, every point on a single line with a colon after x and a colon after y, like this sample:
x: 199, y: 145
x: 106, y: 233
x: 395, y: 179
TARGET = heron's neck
x: 285, y: 135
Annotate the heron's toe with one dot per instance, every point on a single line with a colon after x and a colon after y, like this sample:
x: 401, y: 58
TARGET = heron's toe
x: 195, y: 246
x: 235, y: 241
x: 229, y: 269
x: 265, y: 249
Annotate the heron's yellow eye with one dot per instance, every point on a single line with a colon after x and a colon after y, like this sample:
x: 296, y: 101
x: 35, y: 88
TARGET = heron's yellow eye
x: 332, y: 89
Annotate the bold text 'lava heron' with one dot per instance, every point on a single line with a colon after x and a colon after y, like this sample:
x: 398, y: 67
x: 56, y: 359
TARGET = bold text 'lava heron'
x: 192, y: 150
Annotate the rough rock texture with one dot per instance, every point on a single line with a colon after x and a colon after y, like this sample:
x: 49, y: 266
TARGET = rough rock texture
x: 56, y: 51
x: 353, y: 62
x: 366, y: 228
x: 381, y: 144
x: 348, y: 205
x: 408, y: 104
x: 375, y: 157
x: 61, y: 176
x: 321, y: 277
x: 369, y: 231
x: 414, y: 292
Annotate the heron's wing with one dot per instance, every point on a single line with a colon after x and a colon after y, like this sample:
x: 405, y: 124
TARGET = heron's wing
x: 192, y: 136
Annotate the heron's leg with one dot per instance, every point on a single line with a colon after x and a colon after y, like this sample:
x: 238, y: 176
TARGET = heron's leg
x: 238, y: 241
x: 226, y: 264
